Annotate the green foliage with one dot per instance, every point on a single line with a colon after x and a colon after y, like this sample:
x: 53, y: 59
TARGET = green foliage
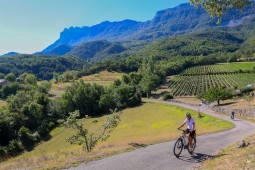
x: 217, y: 94
x: 167, y: 96
x: 219, y: 8
x: 10, y: 77
x: 9, y: 89
x: 30, y: 79
x: 44, y: 86
x: 26, y: 138
x: 2, y: 76
x: 97, y: 50
x: 42, y: 67
x: 149, y: 83
x: 246, y: 89
x: 86, y: 138
x: 68, y: 76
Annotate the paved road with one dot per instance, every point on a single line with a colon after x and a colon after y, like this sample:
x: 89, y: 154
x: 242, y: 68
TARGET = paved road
x: 160, y: 156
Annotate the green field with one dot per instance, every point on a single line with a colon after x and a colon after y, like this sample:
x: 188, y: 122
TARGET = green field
x: 196, y: 80
x: 147, y: 124
x: 103, y: 78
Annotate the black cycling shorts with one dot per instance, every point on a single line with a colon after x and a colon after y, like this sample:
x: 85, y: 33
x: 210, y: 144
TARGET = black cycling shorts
x: 191, y: 134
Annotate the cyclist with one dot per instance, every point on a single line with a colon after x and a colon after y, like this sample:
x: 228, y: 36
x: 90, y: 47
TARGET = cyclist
x: 191, y: 129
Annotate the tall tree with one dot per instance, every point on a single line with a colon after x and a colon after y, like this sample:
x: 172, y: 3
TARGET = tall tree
x: 217, y: 94
x: 217, y: 8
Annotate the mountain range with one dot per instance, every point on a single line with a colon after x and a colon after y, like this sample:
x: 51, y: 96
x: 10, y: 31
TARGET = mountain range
x: 109, y: 38
x: 179, y: 20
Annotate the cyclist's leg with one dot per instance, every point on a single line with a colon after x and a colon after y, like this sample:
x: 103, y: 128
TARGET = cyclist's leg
x: 190, y: 141
x: 191, y: 135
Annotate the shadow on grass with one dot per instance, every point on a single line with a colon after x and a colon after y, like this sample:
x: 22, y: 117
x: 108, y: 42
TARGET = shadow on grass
x: 226, y: 104
x: 138, y: 145
x: 157, y: 96
x: 46, y: 138
x: 199, y: 157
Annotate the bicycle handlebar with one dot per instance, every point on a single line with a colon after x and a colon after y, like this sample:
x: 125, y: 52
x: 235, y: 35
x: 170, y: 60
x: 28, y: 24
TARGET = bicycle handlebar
x: 181, y: 130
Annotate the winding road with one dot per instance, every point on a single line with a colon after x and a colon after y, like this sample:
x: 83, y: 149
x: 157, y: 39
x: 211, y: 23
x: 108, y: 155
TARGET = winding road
x: 161, y: 157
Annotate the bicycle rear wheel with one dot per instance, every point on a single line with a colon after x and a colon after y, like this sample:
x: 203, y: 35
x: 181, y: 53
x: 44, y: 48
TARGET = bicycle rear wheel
x: 178, y: 147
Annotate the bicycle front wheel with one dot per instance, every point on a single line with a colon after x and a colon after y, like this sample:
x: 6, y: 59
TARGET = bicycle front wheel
x: 178, y: 147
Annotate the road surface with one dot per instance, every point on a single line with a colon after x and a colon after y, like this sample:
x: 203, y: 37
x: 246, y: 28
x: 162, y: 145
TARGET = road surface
x: 161, y: 157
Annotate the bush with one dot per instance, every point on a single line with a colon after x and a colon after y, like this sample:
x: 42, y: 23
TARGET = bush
x: 14, y: 147
x: 247, y: 89
x: 26, y: 138
x: 3, y: 152
x: 167, y: 96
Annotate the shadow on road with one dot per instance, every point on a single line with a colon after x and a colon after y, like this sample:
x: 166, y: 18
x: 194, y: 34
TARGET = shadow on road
x: 138, y: 145
x: 198, y: 157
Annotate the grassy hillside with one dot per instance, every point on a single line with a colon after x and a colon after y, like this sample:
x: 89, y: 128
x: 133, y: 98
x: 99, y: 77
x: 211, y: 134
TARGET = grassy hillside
x: 103, y: 78
x: 147, y: 124
x: 233, y: 157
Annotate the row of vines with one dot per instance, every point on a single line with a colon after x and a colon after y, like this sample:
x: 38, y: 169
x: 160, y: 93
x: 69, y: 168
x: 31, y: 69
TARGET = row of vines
x: 220, y: 68
x: 188, y: 85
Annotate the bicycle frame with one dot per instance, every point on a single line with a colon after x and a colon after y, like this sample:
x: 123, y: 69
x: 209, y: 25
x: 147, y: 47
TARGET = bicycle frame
x: 184, y: 137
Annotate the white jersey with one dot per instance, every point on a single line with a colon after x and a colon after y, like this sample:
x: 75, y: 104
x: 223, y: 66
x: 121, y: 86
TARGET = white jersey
x: 190, y: 123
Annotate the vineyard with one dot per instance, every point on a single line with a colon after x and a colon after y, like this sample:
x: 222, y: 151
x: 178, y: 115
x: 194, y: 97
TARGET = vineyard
x: 220, y: 68
x: 196, y: 80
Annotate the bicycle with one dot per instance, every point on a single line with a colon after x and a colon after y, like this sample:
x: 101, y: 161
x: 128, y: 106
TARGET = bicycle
x: 182, y: 143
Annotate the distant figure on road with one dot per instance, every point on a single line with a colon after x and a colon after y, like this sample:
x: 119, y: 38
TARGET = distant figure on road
x: 233, y: 115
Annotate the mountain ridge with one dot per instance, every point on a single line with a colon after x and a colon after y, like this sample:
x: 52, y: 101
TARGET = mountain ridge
x: 172, y: 21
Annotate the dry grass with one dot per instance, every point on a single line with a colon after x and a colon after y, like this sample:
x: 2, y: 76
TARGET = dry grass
x: 147, y: 124
x: 103, y: 78
x: 188, y: 100
x: 233, y: 158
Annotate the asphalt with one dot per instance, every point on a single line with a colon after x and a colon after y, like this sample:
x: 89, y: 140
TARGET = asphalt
x: 161, y: 157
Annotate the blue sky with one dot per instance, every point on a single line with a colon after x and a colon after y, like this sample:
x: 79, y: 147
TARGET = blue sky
x: 28, y: 26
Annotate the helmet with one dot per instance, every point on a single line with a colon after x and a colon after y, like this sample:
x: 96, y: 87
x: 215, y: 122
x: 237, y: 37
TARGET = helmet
x: 188, y: 114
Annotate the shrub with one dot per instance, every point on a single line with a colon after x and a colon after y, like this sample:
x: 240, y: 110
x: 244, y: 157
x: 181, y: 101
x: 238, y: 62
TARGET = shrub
x: 167, y: 96
x: 3, y: 152
x: 14, y: 147
x: 26, y: 138
x: 247, y: 89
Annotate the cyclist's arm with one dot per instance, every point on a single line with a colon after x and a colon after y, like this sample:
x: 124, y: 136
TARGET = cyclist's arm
x: 193, y: 126
x: 181, y: 125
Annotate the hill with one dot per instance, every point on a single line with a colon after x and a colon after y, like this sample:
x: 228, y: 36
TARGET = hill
x: 9, y: 54
x: 179, y: 20
x: 42, y: 66
x: 97, y: 50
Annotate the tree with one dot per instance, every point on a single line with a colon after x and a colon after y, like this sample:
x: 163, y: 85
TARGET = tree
x: 149, y: 82
x: 44, y: 86
x: 217, y: 94
x: 31, y: 79
x: 26, y: 138
x: 83, y: 136
x: 217, y: 8
x: 2, y: 75
x: 10, y: 77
